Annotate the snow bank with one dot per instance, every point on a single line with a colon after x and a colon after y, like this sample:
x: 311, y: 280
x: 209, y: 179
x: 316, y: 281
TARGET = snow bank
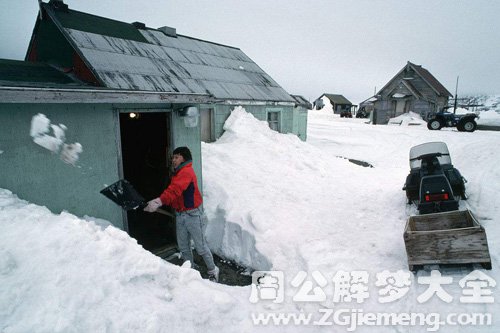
x: 303, y: 208
x: 284, y: 193
x: 255, y: 181
x: 489, y: 112
x: 408, y: 119
x: 486, y: 117
x: 60, y: 273
x: 490, y: 117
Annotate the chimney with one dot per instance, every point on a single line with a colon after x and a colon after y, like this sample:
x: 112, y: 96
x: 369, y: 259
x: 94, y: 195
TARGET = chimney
x: 59, y: 5
x: 168, y: 31
x: 139, y: 25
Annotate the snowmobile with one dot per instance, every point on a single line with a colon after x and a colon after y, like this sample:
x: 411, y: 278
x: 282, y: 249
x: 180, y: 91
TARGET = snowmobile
x: 433, y: 184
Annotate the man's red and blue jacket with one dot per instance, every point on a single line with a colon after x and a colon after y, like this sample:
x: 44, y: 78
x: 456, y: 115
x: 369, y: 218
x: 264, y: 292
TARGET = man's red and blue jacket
x: 182, y: 194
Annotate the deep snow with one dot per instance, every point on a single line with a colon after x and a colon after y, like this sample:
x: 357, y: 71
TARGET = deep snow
x: 273, y: 202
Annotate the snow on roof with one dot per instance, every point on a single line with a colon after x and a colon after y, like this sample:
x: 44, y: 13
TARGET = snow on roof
x: 148, y: 59
x: 338, y: 99
x: 398, y: 95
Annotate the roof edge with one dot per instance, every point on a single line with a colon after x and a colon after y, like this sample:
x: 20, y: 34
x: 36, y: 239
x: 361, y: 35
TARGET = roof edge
x: 20, y: 94
x: 415, y: 67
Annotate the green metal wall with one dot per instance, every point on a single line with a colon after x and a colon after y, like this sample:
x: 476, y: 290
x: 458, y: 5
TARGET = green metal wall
x: 300, y: 122
x: 189, y: 137
x: 40, y: 176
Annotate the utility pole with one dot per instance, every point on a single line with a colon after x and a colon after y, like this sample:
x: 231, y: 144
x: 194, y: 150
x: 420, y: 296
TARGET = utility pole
x: 456, y: 96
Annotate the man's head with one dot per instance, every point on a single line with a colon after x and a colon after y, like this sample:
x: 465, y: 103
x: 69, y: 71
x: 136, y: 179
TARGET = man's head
x: 181, y: 155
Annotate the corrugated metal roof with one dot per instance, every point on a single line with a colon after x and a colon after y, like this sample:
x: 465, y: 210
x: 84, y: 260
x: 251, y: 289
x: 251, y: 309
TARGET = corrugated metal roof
x: 427, y: 76
x: 170, y: 64
x: 73, y: 19
x: 301, y: 101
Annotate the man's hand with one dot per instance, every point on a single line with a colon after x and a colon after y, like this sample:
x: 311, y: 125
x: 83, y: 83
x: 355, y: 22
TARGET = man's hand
x: 153, y: 205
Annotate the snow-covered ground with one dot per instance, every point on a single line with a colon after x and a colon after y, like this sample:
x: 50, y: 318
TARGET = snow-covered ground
x: 486, y: 117
x: 273, y: 203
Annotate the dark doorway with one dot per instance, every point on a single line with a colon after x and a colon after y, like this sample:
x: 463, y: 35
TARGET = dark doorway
x: 145, y: 140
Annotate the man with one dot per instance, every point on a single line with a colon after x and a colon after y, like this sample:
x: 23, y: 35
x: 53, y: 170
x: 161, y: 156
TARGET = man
x: 183, y: 195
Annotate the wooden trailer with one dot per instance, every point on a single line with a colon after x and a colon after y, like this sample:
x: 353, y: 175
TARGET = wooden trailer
x: 446, y: 238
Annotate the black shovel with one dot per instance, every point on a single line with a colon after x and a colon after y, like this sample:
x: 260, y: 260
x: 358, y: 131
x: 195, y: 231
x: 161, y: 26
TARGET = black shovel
x: 125, y: 195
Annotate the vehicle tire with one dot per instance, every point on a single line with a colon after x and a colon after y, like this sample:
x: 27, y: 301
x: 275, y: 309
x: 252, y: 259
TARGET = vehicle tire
x: 469, y: 125
x: 434, y: 124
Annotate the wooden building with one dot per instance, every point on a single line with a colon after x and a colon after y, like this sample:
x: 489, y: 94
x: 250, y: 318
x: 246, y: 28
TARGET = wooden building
x: 414, y: 89
x: 366, y: 107
x: 129, y: 95
x: 339, y: 102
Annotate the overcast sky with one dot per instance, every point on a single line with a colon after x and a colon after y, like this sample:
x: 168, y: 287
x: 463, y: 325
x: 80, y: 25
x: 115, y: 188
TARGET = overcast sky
x: 311, y: 47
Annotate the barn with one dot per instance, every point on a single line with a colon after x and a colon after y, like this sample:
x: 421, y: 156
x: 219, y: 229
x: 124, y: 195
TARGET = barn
x: 97, y: 100
x: 414, y: 89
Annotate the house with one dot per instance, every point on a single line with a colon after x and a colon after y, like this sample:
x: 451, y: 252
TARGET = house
x: 122, y: 134
x: 366, y: 107
x: 414, y: 89
x: 339, y: 103
x: 133, y: 56
x: 127, y: 95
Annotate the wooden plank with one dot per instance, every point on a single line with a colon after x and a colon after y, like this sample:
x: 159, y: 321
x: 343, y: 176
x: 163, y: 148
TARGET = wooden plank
x: 442, y: 221
x: 467, y: 243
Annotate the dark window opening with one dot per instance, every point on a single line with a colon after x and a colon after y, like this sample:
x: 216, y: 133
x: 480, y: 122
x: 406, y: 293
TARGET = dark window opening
x: 273, y: 119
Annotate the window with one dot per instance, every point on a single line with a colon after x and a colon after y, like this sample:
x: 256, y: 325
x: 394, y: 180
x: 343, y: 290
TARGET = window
x: 273, y: 119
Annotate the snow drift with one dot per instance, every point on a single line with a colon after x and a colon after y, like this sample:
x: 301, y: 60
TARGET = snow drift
x: 60, y: 273
x: 304, y: 209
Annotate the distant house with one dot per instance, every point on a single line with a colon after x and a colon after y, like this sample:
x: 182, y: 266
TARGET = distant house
x: 366, y: 107
x: 339, y: 103
x: 414, y: 89
x: 129, y: 95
